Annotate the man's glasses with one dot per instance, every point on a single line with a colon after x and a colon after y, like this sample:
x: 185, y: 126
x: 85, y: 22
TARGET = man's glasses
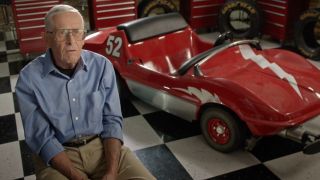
x: 61, y: 34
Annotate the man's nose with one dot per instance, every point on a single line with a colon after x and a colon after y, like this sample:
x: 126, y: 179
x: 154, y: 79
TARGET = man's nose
x: 69, y: 38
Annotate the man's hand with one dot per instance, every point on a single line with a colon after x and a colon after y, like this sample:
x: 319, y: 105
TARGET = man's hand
x: 62, y: 163
x: 109, y: 177
x: 112, y: 149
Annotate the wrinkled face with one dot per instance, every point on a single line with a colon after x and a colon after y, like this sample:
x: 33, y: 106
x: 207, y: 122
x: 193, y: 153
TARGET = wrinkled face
x: 66, y: 46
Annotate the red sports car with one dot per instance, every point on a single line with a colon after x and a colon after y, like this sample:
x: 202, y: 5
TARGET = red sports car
x: 235, y: 89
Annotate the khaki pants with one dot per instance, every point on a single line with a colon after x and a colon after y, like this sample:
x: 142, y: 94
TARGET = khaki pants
x: 90, y: 162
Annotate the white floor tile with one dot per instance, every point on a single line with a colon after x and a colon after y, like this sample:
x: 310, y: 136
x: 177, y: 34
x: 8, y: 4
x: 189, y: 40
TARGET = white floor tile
x: 139, y: 134
x: 19, y: 124
x: 144, y: 108
x: 210, y: 37
x: 296, y: 167
x: 10, y: 35
x: 316, y: 63
x: 201, y: 161
x: 13, y: 51
x: 32, y: 177
x: 313, y: 125
x: 14, y: 57
x: 13, y: 82
x: 6, y: 104
x: 4, y: 69
x: 265, y: 44
x: 11, y: 163
x: 3, y: 47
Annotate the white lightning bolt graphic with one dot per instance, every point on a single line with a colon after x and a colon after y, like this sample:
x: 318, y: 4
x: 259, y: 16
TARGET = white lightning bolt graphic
x: 203, y: 95
x: 248, y: 54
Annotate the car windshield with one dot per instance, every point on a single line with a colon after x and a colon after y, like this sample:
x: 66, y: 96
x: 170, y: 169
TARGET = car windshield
x: 192, y: 61
x: 204, y: 56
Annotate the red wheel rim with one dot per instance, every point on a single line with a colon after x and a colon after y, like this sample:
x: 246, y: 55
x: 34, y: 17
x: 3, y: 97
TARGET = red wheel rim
x: 218, y: 131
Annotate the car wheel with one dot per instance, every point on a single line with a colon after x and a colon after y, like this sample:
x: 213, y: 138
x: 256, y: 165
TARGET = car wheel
x: 155, y: 7
x: 222, y: 130
x: 242, y: 18
x: 307, y: 34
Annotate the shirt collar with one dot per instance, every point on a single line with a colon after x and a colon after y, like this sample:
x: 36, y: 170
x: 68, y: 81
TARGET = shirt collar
x: 83, y: 61
x: 48, y: 65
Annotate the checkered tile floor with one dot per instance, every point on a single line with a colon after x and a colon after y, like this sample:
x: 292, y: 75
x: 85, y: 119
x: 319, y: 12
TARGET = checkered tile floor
x: 171, y: 148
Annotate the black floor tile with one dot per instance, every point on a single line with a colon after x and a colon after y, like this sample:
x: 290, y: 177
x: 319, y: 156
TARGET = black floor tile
x: 254, y: 172
x: 8, y: 130
x: 26, y: 155
x: 15, y: 102
x: 162, y: 163
x: 128, y: 108
x: 5, y: 86
x: 269, y: 148
x: 1, y: 36
x: 3, y: 57
x: 171, y: 127
x: 12, y: 45
x: 15, y: 67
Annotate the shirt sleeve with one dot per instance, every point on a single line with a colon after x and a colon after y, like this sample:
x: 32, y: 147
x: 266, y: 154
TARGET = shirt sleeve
x: 39, y: 135
x: 112, y: 116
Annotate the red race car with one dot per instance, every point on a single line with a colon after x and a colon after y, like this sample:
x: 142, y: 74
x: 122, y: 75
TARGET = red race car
x: 235, y: 89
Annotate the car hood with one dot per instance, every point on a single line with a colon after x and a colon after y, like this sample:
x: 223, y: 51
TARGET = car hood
x: 282, y: 80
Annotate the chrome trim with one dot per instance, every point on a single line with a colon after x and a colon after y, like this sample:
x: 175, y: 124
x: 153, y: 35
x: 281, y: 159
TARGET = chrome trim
x: 279, y: 1
x: 114, y: 17
x: 30, y: 14
x: 21, y: 1
x: 118, y: 9
x: 276, y: 24
x: 37, y: 7
x: 115, y: 4
x: 197, y: 71
x: 31, y: 27
x: 275, y: 13
x: 36, y: 3
x: 195, y: 17
x: 205, y: 6
x: 163, y: 100
x: 197, y: 68
x: 294, y: 134
x: 34, y: 19
x: 30, y: 39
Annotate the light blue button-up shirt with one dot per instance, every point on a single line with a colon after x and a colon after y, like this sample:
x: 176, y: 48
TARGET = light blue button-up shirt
x: 56, y: 108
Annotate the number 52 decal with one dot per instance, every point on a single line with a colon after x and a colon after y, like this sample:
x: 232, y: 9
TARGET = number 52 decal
x: 113, y: 46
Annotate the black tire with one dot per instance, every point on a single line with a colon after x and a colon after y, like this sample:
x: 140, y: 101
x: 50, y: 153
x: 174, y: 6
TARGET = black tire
x: 307, y: 34
x: 222, y: 130
x: 248, y: 14
x: 122, y: 87
x: 149, y: 7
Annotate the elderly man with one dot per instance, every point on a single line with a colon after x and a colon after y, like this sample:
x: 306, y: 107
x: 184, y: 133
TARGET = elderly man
x: 70, y: 108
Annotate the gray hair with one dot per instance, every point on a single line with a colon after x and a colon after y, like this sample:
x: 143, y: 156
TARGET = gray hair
x: 61, y: 8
